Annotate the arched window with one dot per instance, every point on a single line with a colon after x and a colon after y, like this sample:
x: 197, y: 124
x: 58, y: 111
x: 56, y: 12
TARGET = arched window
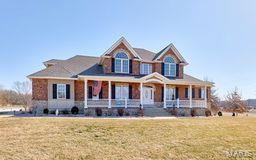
x: 169, y: 67
x: 121, y: 63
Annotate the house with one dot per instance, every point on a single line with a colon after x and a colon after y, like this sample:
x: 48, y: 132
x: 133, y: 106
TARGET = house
x: 123, y: 76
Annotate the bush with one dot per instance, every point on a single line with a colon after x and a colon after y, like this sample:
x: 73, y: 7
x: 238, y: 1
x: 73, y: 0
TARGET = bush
x: 120, y: 112
x: 140, y: 112
x: 219, y: 113
x: 193, y: 112
x: 74, y: 110
x: 127, y: 113
x: 174, y: 112
x: 208, y: 113
x: 52, y: 112
x: 98, y: 111
x: 46, y: 111
x: 65, y: 111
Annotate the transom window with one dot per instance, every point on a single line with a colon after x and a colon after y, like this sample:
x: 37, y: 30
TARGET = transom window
x: 170, y: 93
x: 145, y: 68
x: 122, y: 92
x: 121, y: 63
x: 61, y: 91
x: 169, y: 67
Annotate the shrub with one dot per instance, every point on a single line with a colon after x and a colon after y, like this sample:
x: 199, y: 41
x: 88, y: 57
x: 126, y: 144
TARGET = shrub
x: 65, y: 111
x: 52, y: 112
x: 46, y: 111
x: 219, y: 113
x: 110, y: 112
x: 74, y: 110
x: 208, y: 113
x: 174, y: 112
x: 88, y: 112
x: 127, y: 113
x: 98, y: 111
x: 193, y: 112
x: 140, y: 112
x: 120, y: 111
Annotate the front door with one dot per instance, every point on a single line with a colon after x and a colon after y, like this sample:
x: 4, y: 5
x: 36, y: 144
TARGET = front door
x: 148, y: 95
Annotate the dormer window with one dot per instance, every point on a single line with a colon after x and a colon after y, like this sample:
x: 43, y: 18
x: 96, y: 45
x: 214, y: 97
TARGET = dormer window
x: 169, y: 67
x: 121, y: 63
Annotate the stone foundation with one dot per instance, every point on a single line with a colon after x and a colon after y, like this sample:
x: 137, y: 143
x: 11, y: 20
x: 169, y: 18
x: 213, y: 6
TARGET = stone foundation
x: 113, y: 112
x: 186, y: 112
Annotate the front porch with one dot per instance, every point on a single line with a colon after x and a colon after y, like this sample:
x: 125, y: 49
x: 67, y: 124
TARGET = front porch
x: 153, y: 91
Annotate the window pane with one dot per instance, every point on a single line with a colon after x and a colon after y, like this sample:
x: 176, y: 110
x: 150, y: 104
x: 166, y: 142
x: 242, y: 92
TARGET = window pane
x: 169, y: 60
x: 125, y: 66
x: 166, y: 69
x: 61, y: 91
x: 118, y: 92
x: 172, y: 70
x: 150, y: 69
x: 117, y: 65
x: 121, y: 55
x: 125, y: 92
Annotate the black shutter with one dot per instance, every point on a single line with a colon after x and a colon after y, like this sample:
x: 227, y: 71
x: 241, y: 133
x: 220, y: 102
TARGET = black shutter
x: 163, y: 69
x: 193, y: 92
x: 177, y: 70
x: 67, y: 91
x: 199, y: 93
x: 162, y: 94
x: 130, y: 63
x: 101, y: 94
x: 113, y: 64
x: 130, y: 91
x: 207, y: 93
x: 90, y: 92
x: 177, y: 92
x: 186, y: 92
x: 113, y: 91
x: 54, y: 91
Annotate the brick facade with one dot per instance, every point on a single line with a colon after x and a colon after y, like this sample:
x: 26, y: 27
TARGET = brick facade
x: 79, y: 90
x: 40, y: 89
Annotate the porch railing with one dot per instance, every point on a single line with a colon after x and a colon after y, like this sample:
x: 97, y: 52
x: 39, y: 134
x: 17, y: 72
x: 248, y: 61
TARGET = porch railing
x: 126, y: 103
x: 185, y: 103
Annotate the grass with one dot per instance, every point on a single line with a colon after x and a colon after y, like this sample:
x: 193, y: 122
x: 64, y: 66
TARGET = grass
x: 80, y: 138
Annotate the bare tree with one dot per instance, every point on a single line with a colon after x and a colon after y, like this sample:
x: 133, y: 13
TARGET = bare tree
x: 215, y: 101
x: 234, y: 102
x: 23, y: 90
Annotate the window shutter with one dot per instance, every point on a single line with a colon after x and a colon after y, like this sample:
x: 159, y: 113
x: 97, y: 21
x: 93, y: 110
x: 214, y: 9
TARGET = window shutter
x: 54, y: 91
x: 177, y: 92
x: 130, y: 91
x: 130, y: 63
x: 162, y: 94
x: 177, y: 70
x: 162, y: 68
x: 207, y: 93
x: 113, y: 91
x: 200, y: 93
x: 67, y: 91
x: 193, y: 92
x: 101, y: 94
x: 113, y: 64
x: 186, y: 92
x: 90, y: 92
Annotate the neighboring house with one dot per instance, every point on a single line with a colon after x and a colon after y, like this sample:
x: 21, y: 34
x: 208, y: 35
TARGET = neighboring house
x: 121, y: 77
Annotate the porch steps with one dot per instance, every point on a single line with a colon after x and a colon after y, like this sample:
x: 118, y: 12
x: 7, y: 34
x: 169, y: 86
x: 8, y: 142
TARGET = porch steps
x: 155, y: 112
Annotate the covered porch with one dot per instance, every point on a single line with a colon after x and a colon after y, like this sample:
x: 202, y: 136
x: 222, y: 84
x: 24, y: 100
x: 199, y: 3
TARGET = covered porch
x: 153, y: 90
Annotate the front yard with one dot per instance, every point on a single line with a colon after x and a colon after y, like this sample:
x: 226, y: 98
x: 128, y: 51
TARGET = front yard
x: 81, y: 138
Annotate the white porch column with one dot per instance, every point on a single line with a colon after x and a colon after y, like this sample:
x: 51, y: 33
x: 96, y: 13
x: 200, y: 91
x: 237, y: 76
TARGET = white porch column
x: 190, y: 96
x: 141, y: 94
x: 205, y: 96
x: 109, y: 94
x: 164, y: 95
x: 85, y: 93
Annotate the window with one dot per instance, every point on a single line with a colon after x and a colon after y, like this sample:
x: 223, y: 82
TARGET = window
x: 122, y: 92
x: 61, y: 91
x: 187, y: 93
x: 170, y: 93
x: 121, y: 63
x: 169, y: 67
x: 145, y: 68
x: 202, y: 92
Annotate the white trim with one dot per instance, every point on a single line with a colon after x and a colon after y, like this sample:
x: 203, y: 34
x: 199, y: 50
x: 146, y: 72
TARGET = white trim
x: 85, y: 93
x: 190, y: 96
x: 170, y: 66
x: 122, y: 62
x: 176, y: 52
x: 109, y: 94
x: 126, y: 43
x: 63, y: 78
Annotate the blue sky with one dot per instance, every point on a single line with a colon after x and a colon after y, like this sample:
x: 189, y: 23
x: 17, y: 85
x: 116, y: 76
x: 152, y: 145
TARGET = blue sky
x: 217, y: 37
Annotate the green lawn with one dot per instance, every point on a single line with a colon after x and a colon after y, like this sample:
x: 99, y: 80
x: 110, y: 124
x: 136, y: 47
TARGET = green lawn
x: 81, y: 138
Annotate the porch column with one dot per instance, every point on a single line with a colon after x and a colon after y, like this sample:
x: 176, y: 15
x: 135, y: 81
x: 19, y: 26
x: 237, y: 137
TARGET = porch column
x: 85, y: 93
x: 205, y: 96
x: 190, y: 96
x: 164, y: 95
x: 141, y: 94
x: 109, y: 94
